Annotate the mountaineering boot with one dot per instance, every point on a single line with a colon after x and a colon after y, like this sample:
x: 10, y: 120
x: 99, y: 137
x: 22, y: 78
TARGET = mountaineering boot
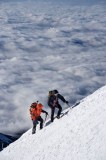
x: 33, y: 132
x: 58, y: 117
x: 34, y: 129
x: 52, y: 119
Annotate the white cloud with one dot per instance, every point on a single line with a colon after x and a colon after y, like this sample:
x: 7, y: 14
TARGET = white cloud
x: 44, y: 48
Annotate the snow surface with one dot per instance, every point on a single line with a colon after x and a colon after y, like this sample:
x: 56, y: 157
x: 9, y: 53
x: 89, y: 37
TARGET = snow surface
x: 79, y: 135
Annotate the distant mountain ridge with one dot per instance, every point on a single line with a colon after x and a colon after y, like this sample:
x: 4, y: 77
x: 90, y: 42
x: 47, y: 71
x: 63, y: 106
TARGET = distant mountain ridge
x: 5, y: 140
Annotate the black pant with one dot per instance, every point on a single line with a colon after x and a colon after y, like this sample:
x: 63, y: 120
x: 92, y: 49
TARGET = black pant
x: 53, y: 110
x: 35, y: 122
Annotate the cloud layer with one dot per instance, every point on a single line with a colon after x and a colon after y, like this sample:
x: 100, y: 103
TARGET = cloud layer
x: 44, y: 47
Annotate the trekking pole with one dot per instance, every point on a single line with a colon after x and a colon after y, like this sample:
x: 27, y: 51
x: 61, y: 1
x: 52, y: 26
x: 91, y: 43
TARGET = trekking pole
x: 74, y: 105
x: 45, y: 120
x: 68, y: 105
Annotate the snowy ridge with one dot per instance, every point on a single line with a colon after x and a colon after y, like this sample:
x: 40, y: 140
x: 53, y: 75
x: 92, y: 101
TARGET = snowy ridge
x: 79, y: 135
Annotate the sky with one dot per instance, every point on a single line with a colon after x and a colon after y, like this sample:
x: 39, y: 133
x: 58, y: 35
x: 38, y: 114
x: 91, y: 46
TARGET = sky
x: 44, y: 46
x: 79, y: 134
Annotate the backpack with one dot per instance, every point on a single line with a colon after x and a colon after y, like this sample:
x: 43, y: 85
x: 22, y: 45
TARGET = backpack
x: 39, y: 109
x: 35, y: 110
x: 52, y: 98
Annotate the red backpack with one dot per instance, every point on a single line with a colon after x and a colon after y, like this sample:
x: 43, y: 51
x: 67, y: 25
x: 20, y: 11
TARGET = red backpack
x: 35, y: 110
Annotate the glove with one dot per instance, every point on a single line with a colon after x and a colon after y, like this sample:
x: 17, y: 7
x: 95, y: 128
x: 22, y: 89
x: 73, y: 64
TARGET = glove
x: 67, y: 102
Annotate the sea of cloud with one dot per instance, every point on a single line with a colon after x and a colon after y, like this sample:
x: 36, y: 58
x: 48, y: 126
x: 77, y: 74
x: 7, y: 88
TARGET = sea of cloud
x: 45, y: 47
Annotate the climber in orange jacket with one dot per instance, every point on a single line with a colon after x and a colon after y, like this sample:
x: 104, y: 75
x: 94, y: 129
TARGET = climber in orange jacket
x: 35, y: 112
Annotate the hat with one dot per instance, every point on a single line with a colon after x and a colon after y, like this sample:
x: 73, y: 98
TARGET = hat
x: 34, y: 104
x: 55, y: 91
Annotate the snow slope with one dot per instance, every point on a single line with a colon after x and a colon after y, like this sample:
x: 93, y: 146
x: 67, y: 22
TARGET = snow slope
x: 79, y: 135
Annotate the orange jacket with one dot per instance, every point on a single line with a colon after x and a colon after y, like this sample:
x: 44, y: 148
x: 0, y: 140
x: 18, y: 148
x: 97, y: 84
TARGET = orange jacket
x: 36, y: 111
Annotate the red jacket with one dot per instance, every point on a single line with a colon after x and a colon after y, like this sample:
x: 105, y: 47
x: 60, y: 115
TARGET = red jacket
x: 36, y: 111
